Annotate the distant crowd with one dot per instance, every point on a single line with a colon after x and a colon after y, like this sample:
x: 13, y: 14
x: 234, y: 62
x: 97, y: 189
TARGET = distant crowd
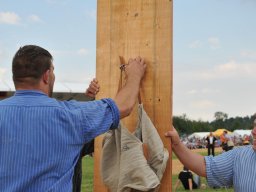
x: 197, y: 143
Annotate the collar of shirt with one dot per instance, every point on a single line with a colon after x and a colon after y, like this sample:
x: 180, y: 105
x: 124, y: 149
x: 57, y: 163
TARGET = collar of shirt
x: 29, y: 92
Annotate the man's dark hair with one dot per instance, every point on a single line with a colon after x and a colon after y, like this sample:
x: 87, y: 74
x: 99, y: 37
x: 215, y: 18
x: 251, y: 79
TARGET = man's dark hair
x: 185, y: 168
x: 30, y: 63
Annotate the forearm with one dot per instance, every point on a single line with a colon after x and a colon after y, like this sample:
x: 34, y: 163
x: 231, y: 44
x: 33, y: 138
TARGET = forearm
x: 190, y: 184
x: 192, y: 161
x: 176, y: 185
x: 127, y: 96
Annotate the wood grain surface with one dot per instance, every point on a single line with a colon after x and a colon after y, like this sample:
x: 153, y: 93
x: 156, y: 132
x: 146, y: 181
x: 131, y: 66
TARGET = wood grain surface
x: 130, y: 28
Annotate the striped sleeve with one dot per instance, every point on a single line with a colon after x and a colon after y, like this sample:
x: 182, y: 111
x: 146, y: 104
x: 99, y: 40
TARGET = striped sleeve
x: 219, y: 169
x: 98, y: 117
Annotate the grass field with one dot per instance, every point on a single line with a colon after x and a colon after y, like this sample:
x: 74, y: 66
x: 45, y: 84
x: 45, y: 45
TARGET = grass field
x: 87, y: 182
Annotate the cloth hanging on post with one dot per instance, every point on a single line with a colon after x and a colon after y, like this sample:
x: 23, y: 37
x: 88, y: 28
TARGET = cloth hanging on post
x: 124, y: 167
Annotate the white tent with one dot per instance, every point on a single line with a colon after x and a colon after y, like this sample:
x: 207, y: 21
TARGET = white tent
x: 199, y: 135
x: 61, y: 90
x: 6, y: 85
x: 241, y: 132
x: 59, y: 87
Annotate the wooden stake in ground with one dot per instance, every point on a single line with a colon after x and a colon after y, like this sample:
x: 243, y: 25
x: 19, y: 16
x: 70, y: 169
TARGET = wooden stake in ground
x: 130, y: 28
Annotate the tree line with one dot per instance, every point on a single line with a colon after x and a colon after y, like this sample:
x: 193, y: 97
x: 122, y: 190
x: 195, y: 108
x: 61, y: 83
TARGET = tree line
x: 184, y: 125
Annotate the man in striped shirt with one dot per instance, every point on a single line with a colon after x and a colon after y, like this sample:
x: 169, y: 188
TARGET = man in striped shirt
x: 41, y: 137
x: 235, y: 168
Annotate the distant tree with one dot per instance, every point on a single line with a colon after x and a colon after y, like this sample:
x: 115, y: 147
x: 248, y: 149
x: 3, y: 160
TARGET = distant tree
x: 184, y: 117
x: 220, y: 115
x: 237, y: 124
x: 184, y: 125
x: 181, y: 123
x: 219, y: 122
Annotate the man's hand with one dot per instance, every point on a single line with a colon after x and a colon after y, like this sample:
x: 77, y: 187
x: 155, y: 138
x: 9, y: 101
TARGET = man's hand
x: 135, y: 68
x: 174, y: 137
x: 93, y: 89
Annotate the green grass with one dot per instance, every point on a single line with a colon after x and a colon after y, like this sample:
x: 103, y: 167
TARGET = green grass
x: 87, y: 181
x: 203, y: 181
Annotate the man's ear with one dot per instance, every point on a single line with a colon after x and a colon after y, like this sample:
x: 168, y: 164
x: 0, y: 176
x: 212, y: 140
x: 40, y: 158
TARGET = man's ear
x: 46, y: 76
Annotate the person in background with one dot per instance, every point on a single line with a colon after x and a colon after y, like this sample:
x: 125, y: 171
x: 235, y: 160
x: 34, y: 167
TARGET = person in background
x: 246, y: 140
x: 186, y: 178
x: 224, y: 141
x: 87, y: 149
x: 235, y: 168
x: 229, y: 142
x: 211, y: 143
x: 41, y: 137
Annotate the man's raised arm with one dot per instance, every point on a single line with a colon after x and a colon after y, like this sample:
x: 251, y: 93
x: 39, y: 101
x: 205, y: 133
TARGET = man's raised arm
x: 128, y: 94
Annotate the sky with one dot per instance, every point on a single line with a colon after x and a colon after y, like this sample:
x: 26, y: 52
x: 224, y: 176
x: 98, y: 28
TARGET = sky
x: 214, y: 49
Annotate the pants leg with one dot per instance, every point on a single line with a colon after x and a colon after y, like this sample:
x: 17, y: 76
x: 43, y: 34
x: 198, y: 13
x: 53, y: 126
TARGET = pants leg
x: 77, y: 178
x: 196, y: 181
x: 88, y: 148
x: 209, y: 148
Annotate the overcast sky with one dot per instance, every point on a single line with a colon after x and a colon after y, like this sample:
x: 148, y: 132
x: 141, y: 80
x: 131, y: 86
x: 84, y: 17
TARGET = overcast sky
x: 214, y: 48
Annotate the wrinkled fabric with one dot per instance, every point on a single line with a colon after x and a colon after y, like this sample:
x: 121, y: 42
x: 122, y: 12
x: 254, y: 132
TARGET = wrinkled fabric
x: 124, y: 167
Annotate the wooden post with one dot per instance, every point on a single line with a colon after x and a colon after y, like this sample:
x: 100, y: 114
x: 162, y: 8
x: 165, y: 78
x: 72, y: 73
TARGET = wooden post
x: 129, y: 28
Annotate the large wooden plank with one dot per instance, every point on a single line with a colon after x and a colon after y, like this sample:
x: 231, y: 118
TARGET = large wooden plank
x: 130, y: 28
x: 104, y: 74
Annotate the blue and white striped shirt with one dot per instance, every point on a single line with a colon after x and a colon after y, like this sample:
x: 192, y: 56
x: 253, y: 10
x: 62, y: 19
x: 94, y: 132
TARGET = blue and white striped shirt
x: 235, y: 168
x: 41, y: 139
